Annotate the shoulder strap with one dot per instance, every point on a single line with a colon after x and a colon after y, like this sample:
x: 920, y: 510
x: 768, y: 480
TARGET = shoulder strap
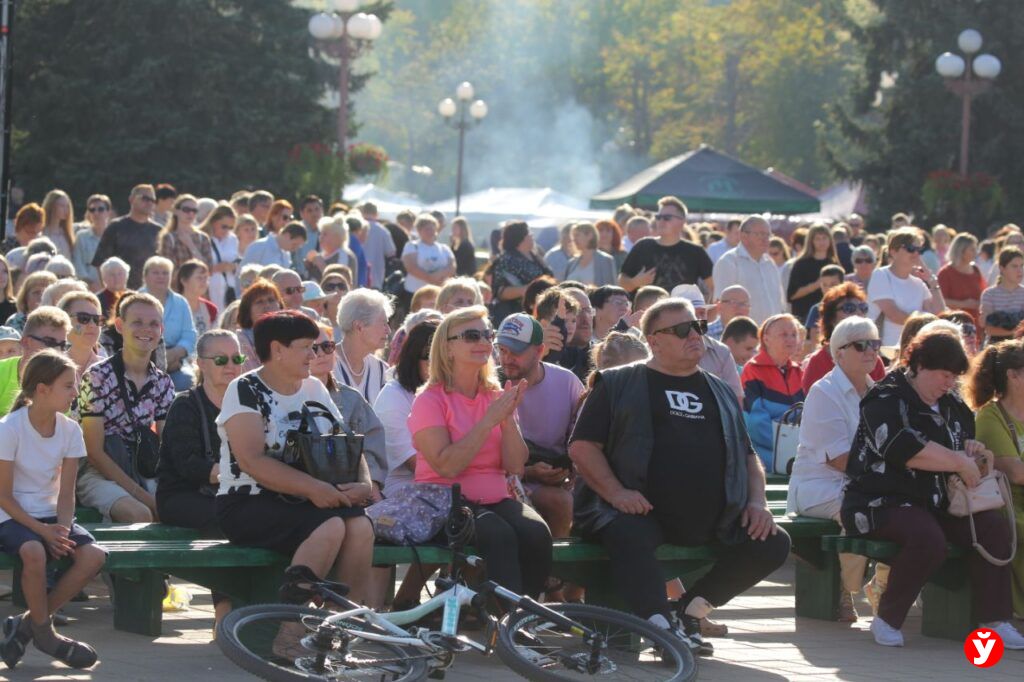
x: 1008, y: 420
x: 203, y: 429
x: 122, y: 386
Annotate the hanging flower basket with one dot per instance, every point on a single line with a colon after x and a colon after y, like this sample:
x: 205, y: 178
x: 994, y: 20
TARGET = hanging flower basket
x: 367, y: 159
x: 315, y: 168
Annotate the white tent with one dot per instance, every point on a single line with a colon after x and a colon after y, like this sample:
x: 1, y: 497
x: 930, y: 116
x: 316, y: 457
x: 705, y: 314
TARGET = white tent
x: 388, y: 203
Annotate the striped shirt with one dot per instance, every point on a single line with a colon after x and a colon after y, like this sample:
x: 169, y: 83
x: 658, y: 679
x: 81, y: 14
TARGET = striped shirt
x: 997, y: 299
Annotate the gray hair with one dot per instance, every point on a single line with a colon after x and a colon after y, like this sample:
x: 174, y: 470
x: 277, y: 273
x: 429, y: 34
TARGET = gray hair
x: 362, y: 305
x: 37, y: 262
x: 421, y: 315
x: 60, y: 266
x: 212, y: 335
x: 157, y: 261
x: 53, y: 293
x: 114, y: 263
x: 335, y: 225
x: 285, y: 272
x: 863, y: 251
x: 854, y: 328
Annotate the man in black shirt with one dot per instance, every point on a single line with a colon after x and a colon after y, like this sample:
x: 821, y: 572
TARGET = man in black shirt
x: 664, y: 457
x: 668, y: 260
x: 132, y: 237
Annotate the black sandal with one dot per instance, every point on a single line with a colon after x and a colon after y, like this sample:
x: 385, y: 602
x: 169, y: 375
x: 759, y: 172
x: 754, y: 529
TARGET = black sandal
x: 15, y: 640
x: 76, y: 654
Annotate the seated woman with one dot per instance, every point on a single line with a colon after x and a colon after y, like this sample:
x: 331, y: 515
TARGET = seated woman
x: 86, y: 322
x: 263, y: 502
x: 839, y: 303
x: 190, y: 447
x: 830, y: 418
x: 260, y: 298
x: 464, y: 430
x: 772, y: 382
x: 363, y: 322
x: 995, y: 388
x: 914, y: 431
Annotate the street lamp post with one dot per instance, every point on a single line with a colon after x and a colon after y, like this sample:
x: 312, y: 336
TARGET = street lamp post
x: 344, y: 34
x: 959, y: 73
x: 461, y: 114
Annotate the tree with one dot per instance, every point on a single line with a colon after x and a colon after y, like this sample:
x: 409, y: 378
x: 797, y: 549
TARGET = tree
x: 897, y: 124
x: 209, y: 95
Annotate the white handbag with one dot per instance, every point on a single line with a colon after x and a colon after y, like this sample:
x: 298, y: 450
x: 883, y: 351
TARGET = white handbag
x: 787, y: 437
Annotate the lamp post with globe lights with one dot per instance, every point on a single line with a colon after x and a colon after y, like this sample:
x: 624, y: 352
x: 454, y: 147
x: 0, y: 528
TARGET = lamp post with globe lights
x: 960, y: 80
x: 462, y: 113
x: 344, y: 34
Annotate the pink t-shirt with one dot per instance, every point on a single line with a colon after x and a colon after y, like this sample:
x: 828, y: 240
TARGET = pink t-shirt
x: 483, y: 481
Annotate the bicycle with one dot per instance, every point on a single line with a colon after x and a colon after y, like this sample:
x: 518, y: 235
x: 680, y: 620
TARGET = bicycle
x: 285, y: 642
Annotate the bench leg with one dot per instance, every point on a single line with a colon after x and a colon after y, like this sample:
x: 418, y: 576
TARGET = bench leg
x: 817, y: 581
x: 947, y: 602
x: 139, y: 604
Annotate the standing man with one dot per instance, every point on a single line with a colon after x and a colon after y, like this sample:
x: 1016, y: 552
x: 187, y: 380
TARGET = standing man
x: 311, y: 210
x: 750, y: 266
x: 731, y: 241
x: 259, y: 206
x: 667, y: 260
x: 132, y: 237
x: 377, y: 247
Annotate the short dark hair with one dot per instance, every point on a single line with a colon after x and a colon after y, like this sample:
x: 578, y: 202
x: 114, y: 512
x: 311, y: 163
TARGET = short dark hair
x: 547, y: 303
x: 534, y: 289
x: 513, y: 233
x: 739, y: 328
x: 260, y: 196
x: 936, y: 350
x: 309, y: 199
x: 649, y: 293
x: 572, y: 284
x: 416, y: 345
x: 600, y: 295
x: 833, y: 271
x: 295, y: 230
x: 165, y: 191
x: 283, y: 326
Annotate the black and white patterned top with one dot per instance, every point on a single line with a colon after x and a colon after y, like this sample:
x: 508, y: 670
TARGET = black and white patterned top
x: 100, y: 396
x: 249, y: 395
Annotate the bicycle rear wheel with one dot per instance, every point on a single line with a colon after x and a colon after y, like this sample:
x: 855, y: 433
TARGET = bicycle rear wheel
x: 278, y: 642
x: 541, y: 650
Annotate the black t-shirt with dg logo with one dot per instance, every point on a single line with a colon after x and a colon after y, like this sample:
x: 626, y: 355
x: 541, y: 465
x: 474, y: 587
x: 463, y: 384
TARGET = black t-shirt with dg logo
x: 686, y: 474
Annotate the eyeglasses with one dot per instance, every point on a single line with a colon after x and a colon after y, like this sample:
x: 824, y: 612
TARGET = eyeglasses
x: 98, y: 209
x: 51, y: 342
x: 288, y: 291
x: 189, y: 209
x: 474, y: 335
x: 740, y: 304
x: 334, y: 286
x: 683, y: 329
x: 87, y: 318
x: 222, y: 360
x: 862, y: 345
x: 324, y: 347
x: 851, y: 308
x: 913, y: 248
x: 862, y: 261
x: 668, y: 216
x: 148, y: 200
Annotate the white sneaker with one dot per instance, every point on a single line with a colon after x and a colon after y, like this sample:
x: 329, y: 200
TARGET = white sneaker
x: 1011, y: 638
x: 887, y: 635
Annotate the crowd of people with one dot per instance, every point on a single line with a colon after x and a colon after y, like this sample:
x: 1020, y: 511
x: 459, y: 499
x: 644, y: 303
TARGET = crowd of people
x: 626, y: 386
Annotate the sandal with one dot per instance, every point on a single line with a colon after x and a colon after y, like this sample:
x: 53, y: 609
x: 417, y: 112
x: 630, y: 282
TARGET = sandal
x: 15, y: 641
x: 75, y: 654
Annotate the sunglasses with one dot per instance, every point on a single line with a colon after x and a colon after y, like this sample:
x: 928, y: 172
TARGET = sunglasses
x: 288, y: 291
x: 334, y: 286
x: 863, y: 261
x: 98, y: 209
x: 222, y: 360
x: 51, y: 342
x: 683, y: 329
x: 851, y: 308
x: 192, y: 210
x: 324, y: 347
x: 87, y: 318
x: 668, y: 216
x: 862, y: 346
x: 148, y: 200
x: 911, y: 248
x: 474, y: 335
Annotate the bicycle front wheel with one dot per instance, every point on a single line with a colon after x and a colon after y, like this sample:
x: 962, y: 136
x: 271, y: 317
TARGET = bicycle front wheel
x: 284, y: 643
x: 541, y: 650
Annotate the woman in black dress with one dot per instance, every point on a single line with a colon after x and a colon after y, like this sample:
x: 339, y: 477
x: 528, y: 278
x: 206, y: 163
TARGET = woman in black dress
x: 804, y: 291
x: 463, y: 248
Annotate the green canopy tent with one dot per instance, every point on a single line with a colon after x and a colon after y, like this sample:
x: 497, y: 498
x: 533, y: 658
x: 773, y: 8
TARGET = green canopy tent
x: 709, y: 182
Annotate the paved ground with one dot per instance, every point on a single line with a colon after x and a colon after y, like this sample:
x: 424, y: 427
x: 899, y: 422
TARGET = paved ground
x: 766, y: 643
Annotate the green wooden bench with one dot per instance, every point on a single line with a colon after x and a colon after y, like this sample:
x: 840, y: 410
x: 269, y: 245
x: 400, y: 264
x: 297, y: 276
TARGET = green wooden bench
x: 946, y: 598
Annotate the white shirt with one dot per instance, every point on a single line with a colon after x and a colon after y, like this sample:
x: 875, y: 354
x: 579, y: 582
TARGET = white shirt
x: 909, y: 294
x: 392, y: 406
x: 370, y: 383
x: 226, y: 252
x: 760, y: 278
x: 37, y: 461
x: 429, y: 258
x: 717, y: 250
x: 829, y: 423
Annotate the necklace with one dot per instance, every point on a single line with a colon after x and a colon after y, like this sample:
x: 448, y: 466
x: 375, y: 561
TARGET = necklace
x: 344, y: 360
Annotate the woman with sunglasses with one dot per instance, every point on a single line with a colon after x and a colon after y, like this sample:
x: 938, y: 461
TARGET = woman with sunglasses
x: 830, y: 418
x: 363, y: 323
x: 465, y: 431
x: 772, y: 382
x: 841, y: 302
x: 190, y: 447
x: 179, y: 240
x: 1002, y: 305
x: 960, y: 280
x: 258, y: 300
x: 904, y: 286
x: 97, y: 217
x: 86, y: 319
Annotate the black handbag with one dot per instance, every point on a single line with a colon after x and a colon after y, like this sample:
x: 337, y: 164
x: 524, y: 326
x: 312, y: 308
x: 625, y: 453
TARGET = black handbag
x: 334, y: 457
x: 139, y: 454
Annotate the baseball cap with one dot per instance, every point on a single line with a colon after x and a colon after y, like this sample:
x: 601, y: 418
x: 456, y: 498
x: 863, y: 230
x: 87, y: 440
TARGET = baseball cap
x: 9, y: 334
x: 313, y: 292
x: 520, y: 331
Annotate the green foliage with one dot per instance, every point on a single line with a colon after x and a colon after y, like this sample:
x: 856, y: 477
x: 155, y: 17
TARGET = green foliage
x: 315, y: 168
x: 209, y: 95
x: 893, y: 134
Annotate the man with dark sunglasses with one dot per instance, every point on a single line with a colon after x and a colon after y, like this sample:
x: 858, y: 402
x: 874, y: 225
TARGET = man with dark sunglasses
x: 132, y: 237
x: 45, y: 327
x: 292, y: 290
x: 664, y: 456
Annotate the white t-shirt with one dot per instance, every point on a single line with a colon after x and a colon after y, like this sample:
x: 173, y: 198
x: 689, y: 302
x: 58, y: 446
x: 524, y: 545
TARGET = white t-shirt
x: 393, y: 406
x: 430, y: 258
x: 37, y: 460
x: 909, y: 294
x: 249, y: 395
